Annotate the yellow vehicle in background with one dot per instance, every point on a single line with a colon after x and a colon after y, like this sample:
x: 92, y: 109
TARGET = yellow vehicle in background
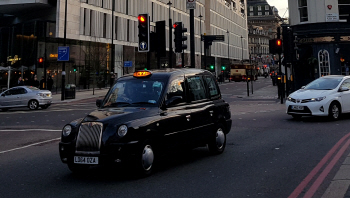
x: 242, y: 72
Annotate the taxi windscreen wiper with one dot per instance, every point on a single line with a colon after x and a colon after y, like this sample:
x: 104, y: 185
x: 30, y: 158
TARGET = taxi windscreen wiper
x: 116, y: 104
x: 143, y: 102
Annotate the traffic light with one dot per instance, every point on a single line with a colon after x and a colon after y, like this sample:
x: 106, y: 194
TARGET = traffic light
x: 40, y: 62
x: 278, y: 45
x: 179, y: 38
x: 212, y: 67
x: 74, y: 68
x: 223, y: 68
x: 144, y: 37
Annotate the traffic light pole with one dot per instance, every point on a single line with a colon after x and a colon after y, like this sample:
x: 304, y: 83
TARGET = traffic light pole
x: 193, y: 62
x: 170, y: 38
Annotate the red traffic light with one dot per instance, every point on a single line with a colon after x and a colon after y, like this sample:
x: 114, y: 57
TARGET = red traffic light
x: 175, y: 25
x: 279, y: 42
x: 142, y: 18
x: 41, y: 60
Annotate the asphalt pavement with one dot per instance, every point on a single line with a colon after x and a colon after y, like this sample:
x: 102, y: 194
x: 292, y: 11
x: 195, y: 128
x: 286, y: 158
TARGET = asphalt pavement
x: 340, y: 185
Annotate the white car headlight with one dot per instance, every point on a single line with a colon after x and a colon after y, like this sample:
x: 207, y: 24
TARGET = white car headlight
x: 40, y: 94
x: 317, y: 99
x: 122, y: 130
x: 66, y: 130
x: 289, y: 99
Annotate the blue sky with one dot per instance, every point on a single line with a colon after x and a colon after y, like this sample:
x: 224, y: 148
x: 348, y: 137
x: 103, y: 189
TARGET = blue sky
x: 281, y: 5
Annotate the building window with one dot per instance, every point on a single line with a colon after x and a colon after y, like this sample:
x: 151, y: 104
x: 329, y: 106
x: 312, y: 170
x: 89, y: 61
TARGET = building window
x: 303, y: 10
x: 259, y: 13
x: 323, y: 62
x: 344, y: 7
x: 267, y: 13
x: 251, y: 14
x: 266, y: 7
x: 251, y: 8
x: 259, y: 8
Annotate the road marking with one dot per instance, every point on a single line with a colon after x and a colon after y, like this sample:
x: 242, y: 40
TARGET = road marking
x: 2, y: 152
x: 29, y: 130
x: 314, y: 171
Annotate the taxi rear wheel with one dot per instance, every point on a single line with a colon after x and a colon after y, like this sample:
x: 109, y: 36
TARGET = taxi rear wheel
x: 145, y: 159
x: 217, y: 142
x: 33, y: 105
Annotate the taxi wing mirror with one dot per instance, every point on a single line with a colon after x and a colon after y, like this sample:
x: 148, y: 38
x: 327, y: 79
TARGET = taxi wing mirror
x: 98, y: 103
x: 303, y: 87
x: 343, y: 89
x: 173, y: 101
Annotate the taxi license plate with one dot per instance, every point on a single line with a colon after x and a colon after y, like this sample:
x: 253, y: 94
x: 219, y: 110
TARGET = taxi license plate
x: 300, y: 108
x: 85, y: 160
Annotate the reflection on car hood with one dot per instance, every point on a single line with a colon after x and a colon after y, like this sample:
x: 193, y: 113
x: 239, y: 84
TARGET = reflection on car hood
x: 122, y: 115
x: 310, y: 93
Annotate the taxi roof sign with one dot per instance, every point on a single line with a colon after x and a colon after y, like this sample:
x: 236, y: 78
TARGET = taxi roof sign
x: 144, y: 73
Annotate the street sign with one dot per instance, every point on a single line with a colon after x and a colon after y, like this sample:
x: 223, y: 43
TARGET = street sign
x: 191, y: 4
x: 213, y: 37
x: 63, y: 53
x: 127, y: 63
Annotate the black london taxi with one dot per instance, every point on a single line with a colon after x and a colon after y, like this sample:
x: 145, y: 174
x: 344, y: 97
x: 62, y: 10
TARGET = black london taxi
x: 146, y: 114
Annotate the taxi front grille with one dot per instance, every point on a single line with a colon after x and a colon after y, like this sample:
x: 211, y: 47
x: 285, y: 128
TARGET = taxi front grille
x: 89, y: 137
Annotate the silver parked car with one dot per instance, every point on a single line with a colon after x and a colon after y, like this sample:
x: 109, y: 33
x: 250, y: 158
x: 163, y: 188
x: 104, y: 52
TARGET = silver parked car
x: 25, y: 96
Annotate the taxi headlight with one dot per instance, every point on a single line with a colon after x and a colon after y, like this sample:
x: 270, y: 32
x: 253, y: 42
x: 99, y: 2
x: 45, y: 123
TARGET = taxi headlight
x: 289, y: 99
x: 122, y: 130
x: 317, y: 99
x: 66, y: 131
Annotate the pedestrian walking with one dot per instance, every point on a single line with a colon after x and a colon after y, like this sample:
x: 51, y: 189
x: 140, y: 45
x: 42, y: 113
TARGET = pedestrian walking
x: 20, y: 82
x: 42, y: 83
x: 35, y: 82
x: 49, y: 83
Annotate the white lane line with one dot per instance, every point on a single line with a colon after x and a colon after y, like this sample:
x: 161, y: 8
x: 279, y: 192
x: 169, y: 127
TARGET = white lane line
x: 2, y: 152
x: 29, y: 130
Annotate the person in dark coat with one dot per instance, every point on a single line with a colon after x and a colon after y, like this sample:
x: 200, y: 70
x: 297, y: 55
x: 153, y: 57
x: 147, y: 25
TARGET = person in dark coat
x: 35, y: 82
x: 49, y: 83
x: 42, y: 83
x: 20, y: 82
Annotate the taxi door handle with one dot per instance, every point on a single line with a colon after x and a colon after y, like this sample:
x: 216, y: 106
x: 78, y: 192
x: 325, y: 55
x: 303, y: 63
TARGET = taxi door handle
x: 188, y: 117
x: 211, y: 113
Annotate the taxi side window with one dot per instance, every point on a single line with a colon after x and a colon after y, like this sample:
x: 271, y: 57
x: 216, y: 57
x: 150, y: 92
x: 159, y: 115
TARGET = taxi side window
x: 13, y: 91
x: 346, y: 83
x: 176, y: 88
x: 196, y: 88
x: 213, y: 89
x: 22, y: 91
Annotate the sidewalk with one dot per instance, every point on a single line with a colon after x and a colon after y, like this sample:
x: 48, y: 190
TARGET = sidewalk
x: 80, y: 95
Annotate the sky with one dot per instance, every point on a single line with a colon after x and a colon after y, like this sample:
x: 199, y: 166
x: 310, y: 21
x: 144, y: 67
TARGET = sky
x: 281, y: 5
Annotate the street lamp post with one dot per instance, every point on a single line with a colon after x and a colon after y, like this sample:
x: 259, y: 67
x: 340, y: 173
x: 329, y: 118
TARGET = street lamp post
x: 200, y: 32
x: 170, y: 37
x: 64, y: 44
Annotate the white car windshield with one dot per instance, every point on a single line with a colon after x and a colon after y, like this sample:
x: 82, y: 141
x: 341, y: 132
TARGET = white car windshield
x: 324, y: 84
x: 134, y: 92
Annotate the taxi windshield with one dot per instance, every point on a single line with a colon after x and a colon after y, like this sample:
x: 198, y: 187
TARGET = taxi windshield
x: 134, y: 92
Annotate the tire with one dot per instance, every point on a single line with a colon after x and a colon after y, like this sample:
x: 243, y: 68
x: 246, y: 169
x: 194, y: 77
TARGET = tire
x: 217, y: 142
x: 4, y: 109
x: 297, y: 117
x: 144, y: 162
x: 33, y: 105
x: 78, y: 168
x: 334, y: 111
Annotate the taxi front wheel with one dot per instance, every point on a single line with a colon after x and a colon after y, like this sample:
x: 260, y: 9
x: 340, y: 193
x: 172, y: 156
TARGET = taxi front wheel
x: 78, y: 168
x: 217, y: 142
x: 334, y: 111
x: 144, y: 159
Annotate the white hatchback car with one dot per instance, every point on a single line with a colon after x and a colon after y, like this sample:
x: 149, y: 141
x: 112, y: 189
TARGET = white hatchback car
x: 325, y: 96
